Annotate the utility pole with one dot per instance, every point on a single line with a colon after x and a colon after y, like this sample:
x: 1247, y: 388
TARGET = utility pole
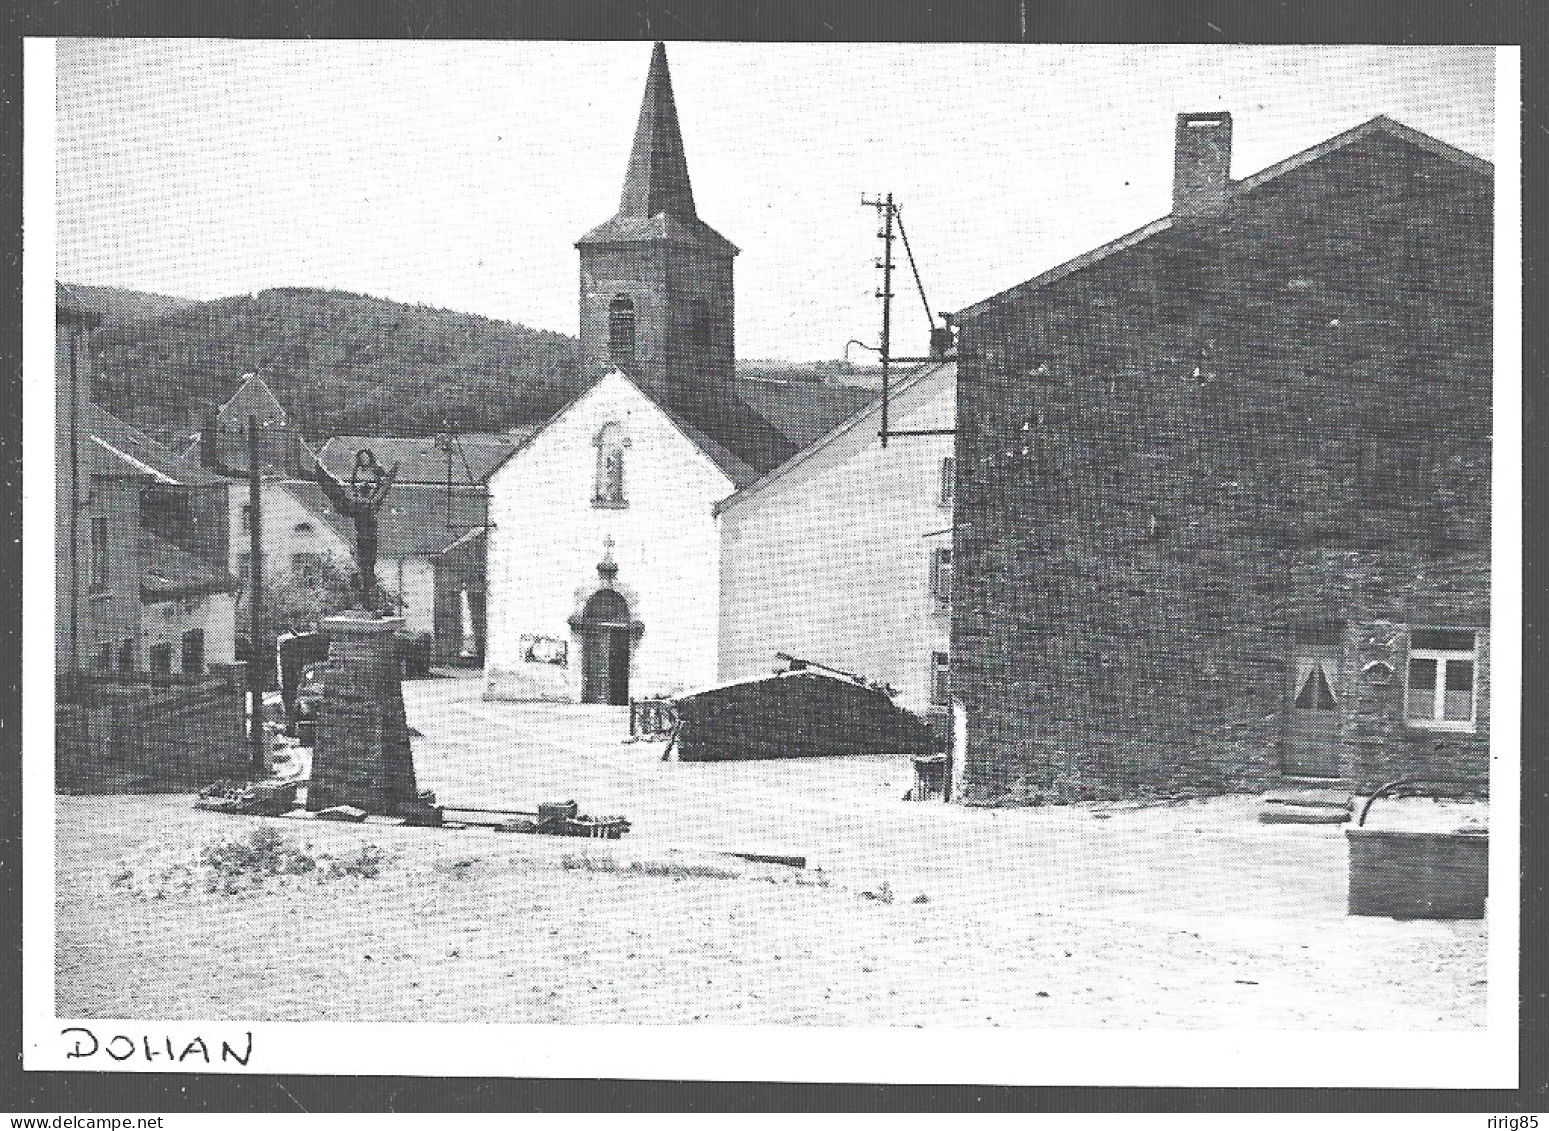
x: 210, y: 455
x: 255, y: 601
x: 885, y: 265
x: 891, y: 217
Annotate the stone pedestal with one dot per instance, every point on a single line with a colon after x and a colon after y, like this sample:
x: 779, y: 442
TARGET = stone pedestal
x: 362, y: 755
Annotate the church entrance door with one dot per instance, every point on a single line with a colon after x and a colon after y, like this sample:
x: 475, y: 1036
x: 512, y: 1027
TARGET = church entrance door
x: 605, y: 646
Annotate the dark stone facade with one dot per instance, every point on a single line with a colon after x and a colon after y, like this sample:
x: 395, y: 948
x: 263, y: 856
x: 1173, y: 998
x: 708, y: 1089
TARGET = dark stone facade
x: 1241, y: 431
x: 133, y: 734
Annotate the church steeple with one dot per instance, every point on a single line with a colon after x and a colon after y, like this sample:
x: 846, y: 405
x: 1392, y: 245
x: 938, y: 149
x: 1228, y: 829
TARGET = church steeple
x: 656, y: 280
x: 657, y: 180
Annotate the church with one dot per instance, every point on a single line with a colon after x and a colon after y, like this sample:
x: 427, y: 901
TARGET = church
x: 603, y: 549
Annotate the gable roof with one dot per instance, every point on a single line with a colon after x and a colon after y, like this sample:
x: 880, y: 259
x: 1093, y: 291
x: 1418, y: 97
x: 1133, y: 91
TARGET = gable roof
x: 730, y: 434
x: 940, y: 370
x: 253, y: 398
x: 117, y: 448
x: 1380, y: 125
x: 802, y: 411
x: 474, y: 457
x: 740, y: 441
x: 657, y: 203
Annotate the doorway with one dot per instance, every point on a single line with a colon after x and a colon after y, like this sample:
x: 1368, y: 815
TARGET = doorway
x: 606, y: 638
x: 1312, y: 747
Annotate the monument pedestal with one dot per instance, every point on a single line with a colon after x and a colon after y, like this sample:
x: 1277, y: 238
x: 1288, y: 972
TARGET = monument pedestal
x: 362, y: 755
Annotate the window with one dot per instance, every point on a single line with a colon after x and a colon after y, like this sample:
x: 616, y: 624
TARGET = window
x: 1439, y: 690
x: 193, y: 651
x: 941, y: 576
x: 104, y: 656
x: 304, y: 528
x: 621, y: 332
x: 126, y: 656
x: 948, y: 480
x: 247, y: 516
x: 940, y: 679
x: 99, y: 554
x: 608, y: 483
x: 161, y: 658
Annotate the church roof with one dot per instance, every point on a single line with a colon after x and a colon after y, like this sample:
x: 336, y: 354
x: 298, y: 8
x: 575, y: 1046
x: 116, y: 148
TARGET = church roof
x: 799, y: 410
x: 722, y: 424
x: 657, y: 204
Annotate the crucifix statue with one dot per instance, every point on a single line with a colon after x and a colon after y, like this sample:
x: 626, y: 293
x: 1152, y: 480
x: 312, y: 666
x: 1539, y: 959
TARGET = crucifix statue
x: 359, y: 500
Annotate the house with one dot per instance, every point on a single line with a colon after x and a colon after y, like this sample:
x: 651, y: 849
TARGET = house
x: 147, y: 693
x: 432, y: 528
x: 291, y: 531
x: 604, y: 556
x: 843, y: 553
x: 1223, y: 510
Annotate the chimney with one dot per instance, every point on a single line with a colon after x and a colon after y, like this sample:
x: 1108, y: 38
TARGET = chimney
x: 1202, y: 164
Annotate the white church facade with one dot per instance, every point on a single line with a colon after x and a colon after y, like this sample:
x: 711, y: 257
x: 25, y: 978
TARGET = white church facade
x: 604, y: 556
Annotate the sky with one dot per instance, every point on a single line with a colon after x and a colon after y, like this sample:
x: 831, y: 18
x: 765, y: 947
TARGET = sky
x: 460, y: 174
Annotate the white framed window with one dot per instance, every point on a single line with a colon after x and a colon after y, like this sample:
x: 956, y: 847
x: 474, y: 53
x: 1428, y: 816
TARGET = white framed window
x: 941, y: 575
x: 948, y: 480
x: 1441, y: 680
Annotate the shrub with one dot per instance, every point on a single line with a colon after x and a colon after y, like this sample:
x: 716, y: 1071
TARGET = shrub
x: 233, y: 865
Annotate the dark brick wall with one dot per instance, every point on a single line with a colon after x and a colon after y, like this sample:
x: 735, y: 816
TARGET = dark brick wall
x: 1174, y: 461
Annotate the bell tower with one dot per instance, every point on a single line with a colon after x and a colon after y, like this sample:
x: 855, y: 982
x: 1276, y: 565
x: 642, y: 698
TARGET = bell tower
x: 656, y: 281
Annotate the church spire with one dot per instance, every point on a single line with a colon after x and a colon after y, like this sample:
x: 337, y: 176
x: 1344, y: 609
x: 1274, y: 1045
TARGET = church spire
x: 657, y: 180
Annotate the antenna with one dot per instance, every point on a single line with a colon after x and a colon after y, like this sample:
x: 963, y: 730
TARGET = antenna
x: 890, y: 214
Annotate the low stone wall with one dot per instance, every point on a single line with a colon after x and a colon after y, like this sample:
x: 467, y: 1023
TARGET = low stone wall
x: 169, y: 735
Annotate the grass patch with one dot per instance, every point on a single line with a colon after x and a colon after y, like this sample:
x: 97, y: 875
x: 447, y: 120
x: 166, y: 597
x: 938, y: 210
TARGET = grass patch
x: 670, y: 869
x: 237, y: 865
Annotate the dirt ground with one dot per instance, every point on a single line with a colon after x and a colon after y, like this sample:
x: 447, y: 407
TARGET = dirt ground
x: 1186, y: 916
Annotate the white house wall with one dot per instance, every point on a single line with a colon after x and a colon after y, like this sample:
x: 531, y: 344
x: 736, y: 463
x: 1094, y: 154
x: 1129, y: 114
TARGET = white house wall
x: 831, y: 561
x: 548, y: 538
x: 164, y: 622
x: 283, y: 513
x: 414, y: 581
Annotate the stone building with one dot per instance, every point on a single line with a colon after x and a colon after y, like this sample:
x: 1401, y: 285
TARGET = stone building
x: 843, y: 554
x: 147, y: 693
x: 1223, y: 485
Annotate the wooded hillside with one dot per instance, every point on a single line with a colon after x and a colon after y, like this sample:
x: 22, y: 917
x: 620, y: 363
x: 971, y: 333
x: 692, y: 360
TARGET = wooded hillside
x: 341, y: 363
